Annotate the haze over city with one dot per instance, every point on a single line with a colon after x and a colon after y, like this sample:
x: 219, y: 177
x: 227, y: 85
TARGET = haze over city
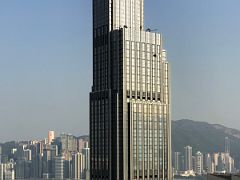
x: 46, y: 63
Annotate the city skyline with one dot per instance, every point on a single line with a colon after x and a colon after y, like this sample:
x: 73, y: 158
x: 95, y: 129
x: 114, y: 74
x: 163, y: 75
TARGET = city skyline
x: 63, y: 157
x: 15, y: 154
x: 186, y: 163
x: 40, y: 86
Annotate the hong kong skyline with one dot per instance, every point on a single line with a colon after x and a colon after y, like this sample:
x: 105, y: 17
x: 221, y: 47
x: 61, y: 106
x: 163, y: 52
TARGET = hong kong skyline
x: 46, y: 63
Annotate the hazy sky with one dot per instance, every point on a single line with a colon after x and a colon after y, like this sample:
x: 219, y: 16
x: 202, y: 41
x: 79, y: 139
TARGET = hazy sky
x: 46, y: 62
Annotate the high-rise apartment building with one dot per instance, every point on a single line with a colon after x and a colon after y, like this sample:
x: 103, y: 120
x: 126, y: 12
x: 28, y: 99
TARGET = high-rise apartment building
x: 199, y: 163
x: 188, y: 158
x: 68, y: 143
x: 81, y: 143
x: 51, y: 136
x: 78, y: 165
x: 223, y: 163
x: 130, y: 127
x: 177, y: 161
x: 208, y: 163
x: 86, y: 154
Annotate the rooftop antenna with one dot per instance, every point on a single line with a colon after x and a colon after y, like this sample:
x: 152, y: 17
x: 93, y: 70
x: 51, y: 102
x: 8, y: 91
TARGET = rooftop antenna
x: 150, y: 30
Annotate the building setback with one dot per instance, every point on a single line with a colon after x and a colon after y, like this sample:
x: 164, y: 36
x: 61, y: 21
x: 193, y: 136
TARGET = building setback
x: 130, y: 127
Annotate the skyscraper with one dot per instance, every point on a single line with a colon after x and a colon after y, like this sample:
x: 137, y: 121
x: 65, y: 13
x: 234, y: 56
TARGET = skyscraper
x: 130, y: 127
x: 208, y: 163
x: 59, y: 167
x: 51, y: 136
x: 86, y: 154
x: 227, y: 145
x: 177, y: 161
x: 188, y: 158
x: 49, y: 154
x: 199, y: 163
x: 78, y: 165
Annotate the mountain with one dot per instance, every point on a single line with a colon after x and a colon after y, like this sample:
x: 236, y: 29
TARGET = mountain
x: 204, y: 137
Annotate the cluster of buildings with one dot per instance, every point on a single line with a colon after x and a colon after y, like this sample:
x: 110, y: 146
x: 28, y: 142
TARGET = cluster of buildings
x: 60, y: 157
x: 187, y: 164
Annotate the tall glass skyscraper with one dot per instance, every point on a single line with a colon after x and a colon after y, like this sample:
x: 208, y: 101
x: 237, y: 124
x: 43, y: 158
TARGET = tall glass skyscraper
x: 130, y: 127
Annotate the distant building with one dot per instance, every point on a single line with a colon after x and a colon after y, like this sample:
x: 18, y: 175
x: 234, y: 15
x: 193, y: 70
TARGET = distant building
x: 193, y: 163
x: 23, y: 169
x: 182, y: 163
x: 227, y: 145
x: 188, y: 158
x: 67, y: 164
x: 68, y: 143
x: 177, y: 161
x: 199, y: 163
x: 49, y: 154
x: 229, y: 163
x: 51, y: 136
x: 223, y: 163
x: 80, y: 145
x: 208, y: 164
x: 7, y: 171
x: 4, y: 159
x: 27, y: 154
x: 78, y: 165
x: 36, y: 162
x: 39, y: 147
x: 86, y: 153
x: 59, y: 167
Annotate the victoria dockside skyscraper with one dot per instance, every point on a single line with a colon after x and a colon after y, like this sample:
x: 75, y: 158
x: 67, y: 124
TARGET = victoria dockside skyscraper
x: 130, y: 127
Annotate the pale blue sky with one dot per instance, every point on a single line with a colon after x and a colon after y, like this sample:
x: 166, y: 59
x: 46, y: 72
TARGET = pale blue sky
x: 46, y: 62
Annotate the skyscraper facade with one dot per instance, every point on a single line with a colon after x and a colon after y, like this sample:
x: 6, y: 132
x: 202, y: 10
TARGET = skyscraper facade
x: 130, y: 127
x: 188, y: 158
